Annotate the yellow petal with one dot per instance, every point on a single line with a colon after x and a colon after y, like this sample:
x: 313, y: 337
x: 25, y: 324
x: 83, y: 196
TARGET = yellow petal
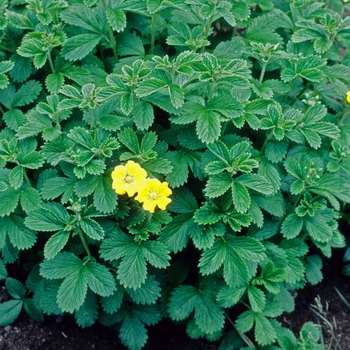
x: 119, y: 172
x: 143, y: 195
x: 162, y: 202
x: 152, y: 185
x: 118, y: 186
x: 131, y: 189
x: 150, y: 205
x: 163, y: 190
x: 132, y: 168
x: 348, y: 97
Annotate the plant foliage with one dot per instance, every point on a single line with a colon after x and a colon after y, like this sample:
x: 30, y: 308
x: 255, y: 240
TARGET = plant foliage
x: 238, y: 106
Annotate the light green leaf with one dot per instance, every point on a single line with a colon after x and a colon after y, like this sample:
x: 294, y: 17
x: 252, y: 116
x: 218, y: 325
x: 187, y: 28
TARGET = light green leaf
x: 156, y: 254
x: 132, y: 332
x: 292, y: 226
x: 313, y: 269
x: 116, y: 18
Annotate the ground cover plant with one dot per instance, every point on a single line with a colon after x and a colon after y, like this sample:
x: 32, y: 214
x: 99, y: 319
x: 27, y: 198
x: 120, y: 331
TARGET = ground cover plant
x: 183, y: 159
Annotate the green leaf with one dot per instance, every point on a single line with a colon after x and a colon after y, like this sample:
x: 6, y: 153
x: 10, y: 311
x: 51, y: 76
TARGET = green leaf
x: 57, y: 186
x: 55, y: 244
x: 26, y: 94
x: 132, y: 271
x: 30, y: 199
x: 218, y: 184
x: 3, y: 271
x: 292, y: 226
x: 245, y: 321
x: 42, y: 219
x: 16, y: 177
x: 15, y: 288
x: 54, y: 82
x: 256, y: 182
x: 264, y: 332
x: 99, y: 279
x: 143, y: 115
x: 9, y: 201
x: 150, y: 86
x: 20, y: 236
x: 72, y: 292
x: 176, y: 95
x: 9, y: 311
x: 156, y: 254
x: 32, y: 160
x: 227, y: 297
x: 14, y: 118
x: 180, y: 172
x: 61, y: 266
x: 132, y: 332
x: 31, y: 309
x: 128, y: 138
x: 105, y: 199
x: 175, y: 235
x: 313, y: 269
x: 208, y: 126
x: 112, y: 303
x: 148, y: 293
x: 256, y: 298
x: 182, y: 302
x: 79, y: 46
x: 240, y: 196
x: 116, y: 18
x: 87, y: 314
x: 318, y: 228
x: 91, y: 228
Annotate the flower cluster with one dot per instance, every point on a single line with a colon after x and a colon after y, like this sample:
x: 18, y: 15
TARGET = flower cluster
x: 131, y: 178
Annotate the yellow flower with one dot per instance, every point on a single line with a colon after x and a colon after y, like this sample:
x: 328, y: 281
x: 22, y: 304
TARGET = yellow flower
x: 129, y: 178
x: 153, y: 194
x: 348, y: 97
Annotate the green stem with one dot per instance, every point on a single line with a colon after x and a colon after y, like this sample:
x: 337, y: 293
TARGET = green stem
x: 92, y: 118
x: 27, y: 178
x: 234, y: 31
x: 83, y: 241
x: 153, y: 32
x: 268, y: 138
x: 243, y: 336
x: 262, y: 73
x: 207, y: 28
x: 303, y: 90
x: 50, y: 61
x: 2, y: 110
x: 111, y: 36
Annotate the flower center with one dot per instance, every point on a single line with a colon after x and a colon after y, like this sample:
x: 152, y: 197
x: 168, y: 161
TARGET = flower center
x: 153, y: 195
x: 129, y: 179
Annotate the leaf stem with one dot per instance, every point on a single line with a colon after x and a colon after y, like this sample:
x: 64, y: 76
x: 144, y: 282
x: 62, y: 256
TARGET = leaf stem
x: 92, y: 118
x: 26, y: 178
x: 262, y: 73
x: 268, y: 138
x: 207, y: 28
x: 83, y: 241
x: 2, y: 110
x: 50, y: 61
x: 111, y: 36
x: 153, y: 32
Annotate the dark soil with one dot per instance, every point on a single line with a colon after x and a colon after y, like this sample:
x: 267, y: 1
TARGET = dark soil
x: 56, y: 334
